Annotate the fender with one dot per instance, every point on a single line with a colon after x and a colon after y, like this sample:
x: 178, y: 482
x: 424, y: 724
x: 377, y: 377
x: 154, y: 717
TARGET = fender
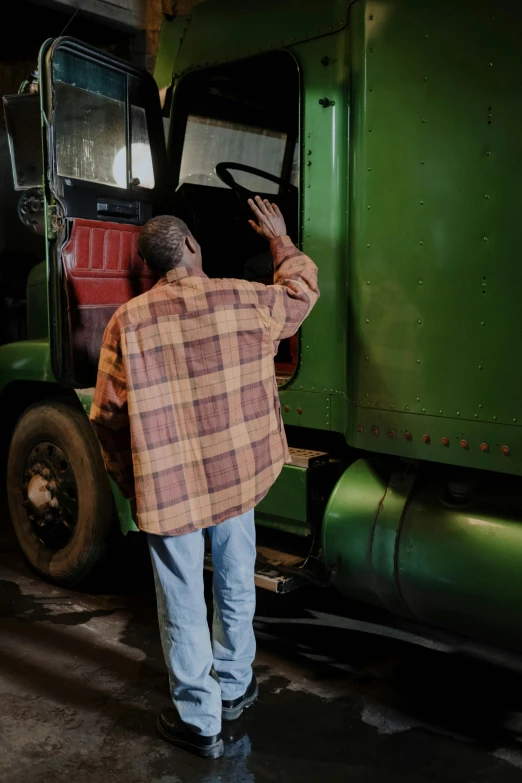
x: 28, y: 360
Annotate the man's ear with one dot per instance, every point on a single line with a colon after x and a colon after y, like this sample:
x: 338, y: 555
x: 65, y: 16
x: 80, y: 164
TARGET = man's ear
x: 189, y: 241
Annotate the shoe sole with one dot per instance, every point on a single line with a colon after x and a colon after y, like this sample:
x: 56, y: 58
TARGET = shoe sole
x: 209, y: 752
x: 234, y: 713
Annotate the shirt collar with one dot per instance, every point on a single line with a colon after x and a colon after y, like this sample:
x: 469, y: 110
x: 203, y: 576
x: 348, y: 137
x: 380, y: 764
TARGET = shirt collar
x: 180, y: 272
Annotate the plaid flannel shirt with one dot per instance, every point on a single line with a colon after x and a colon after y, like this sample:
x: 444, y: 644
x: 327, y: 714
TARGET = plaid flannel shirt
x: 186, y: 405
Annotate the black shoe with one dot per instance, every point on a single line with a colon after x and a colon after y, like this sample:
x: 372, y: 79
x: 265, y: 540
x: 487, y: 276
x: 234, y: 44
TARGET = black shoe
x: 172, y: 729
x: 233, y: 709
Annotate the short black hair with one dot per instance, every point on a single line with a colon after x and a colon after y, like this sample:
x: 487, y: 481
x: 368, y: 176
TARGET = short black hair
x: 161, y: 242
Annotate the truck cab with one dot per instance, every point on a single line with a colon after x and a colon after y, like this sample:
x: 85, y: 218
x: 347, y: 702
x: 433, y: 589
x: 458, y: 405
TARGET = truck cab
x: 404, y: 480
x: 116, y: 151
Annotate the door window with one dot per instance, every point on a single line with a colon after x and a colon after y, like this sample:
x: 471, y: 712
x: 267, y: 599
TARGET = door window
x: 90, y: 125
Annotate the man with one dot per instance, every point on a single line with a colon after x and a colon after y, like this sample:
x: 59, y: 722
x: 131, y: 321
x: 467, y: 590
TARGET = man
x: 187, y: 413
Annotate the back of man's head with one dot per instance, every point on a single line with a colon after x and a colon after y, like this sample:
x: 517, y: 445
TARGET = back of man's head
x: 162, y: 243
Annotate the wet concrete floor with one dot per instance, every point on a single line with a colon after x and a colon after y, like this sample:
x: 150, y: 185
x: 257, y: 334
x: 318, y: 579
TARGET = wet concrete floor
x: 82, y: 679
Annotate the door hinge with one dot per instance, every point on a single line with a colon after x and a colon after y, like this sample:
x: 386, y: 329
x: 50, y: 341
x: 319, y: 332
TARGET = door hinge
x: 54, y: 219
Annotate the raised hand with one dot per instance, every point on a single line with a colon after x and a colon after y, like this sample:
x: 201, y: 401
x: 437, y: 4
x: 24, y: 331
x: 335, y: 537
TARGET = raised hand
x: 271, y: 223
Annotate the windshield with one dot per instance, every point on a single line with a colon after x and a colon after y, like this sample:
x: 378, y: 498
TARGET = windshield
x: 209, y: 141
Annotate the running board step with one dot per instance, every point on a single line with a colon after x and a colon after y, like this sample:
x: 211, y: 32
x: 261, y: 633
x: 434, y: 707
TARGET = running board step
x: 307, y: 458
x: 267, y: 575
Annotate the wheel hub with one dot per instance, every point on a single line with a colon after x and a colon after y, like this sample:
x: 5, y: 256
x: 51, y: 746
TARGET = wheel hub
x: 38, y: 495
x: 50, y: 495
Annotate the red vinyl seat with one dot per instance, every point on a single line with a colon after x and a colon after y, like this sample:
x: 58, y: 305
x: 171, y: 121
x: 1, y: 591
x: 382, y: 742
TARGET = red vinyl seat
x: 102, y: 270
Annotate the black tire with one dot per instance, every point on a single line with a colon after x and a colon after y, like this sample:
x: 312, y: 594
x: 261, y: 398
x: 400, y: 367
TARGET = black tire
x: 66, y: 549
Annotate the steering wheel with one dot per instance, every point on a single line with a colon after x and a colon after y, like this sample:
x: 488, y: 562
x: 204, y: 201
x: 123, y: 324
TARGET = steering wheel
x: 223, y: 172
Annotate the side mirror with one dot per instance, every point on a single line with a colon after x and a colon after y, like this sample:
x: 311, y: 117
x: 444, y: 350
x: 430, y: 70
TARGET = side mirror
x: 22, y: 119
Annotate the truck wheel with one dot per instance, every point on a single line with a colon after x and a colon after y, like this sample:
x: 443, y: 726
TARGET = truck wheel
x: 59, y: 495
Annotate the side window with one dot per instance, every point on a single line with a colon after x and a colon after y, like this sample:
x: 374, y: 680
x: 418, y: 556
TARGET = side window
x: 211, y: 141
x: 90, y: 125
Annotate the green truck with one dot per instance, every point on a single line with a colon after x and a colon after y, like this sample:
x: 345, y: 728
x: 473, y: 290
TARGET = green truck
x: 389, y: 134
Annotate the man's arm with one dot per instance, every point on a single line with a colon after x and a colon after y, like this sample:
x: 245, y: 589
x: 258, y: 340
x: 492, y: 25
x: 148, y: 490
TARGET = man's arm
x: 295, y: 289
x: 109, y: 413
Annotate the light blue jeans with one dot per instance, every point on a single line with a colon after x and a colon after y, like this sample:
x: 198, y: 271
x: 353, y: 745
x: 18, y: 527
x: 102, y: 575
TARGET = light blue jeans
x: 201, y: 672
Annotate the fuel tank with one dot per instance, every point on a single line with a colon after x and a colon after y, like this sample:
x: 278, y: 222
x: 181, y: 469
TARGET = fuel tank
x: 442, y: 547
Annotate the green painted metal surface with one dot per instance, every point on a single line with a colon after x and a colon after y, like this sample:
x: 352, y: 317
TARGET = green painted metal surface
x: 461, y: 568
x: 218, y: 32
x: 389, y: 432
x: 123, y: 507
x: 414, y: 550
x: 348, y: 528
x: 324, y: 167
x: 286, y: 505
x: 305, y: 408
x: 386, y: 531
x: 27, y: 360
x: 171, y: 38
x: 434, y: 236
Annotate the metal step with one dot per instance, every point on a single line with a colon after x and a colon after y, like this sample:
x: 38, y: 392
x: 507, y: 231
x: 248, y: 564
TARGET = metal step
x: 267, y: 576
x: 307, y: 458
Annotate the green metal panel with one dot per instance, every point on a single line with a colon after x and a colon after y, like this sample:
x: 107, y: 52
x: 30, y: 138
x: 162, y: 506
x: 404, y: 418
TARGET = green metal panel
x: 339, y: 413
x: 389, y: 432
x: 286, y: 505
x: 324, y: 73
x: 28, y: 360
x: 435, y: 279
x: 305, y: 408
x: 171, y: 38
x: 123, y: 506
x: 221, y: 30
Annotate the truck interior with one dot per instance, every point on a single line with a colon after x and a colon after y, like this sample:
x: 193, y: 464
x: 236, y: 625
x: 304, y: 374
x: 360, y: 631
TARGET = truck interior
x: 235, y: 133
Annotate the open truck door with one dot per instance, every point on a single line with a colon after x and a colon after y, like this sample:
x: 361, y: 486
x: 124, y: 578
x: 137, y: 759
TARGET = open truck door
x: 105, y: 169
x: 104, y: 161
